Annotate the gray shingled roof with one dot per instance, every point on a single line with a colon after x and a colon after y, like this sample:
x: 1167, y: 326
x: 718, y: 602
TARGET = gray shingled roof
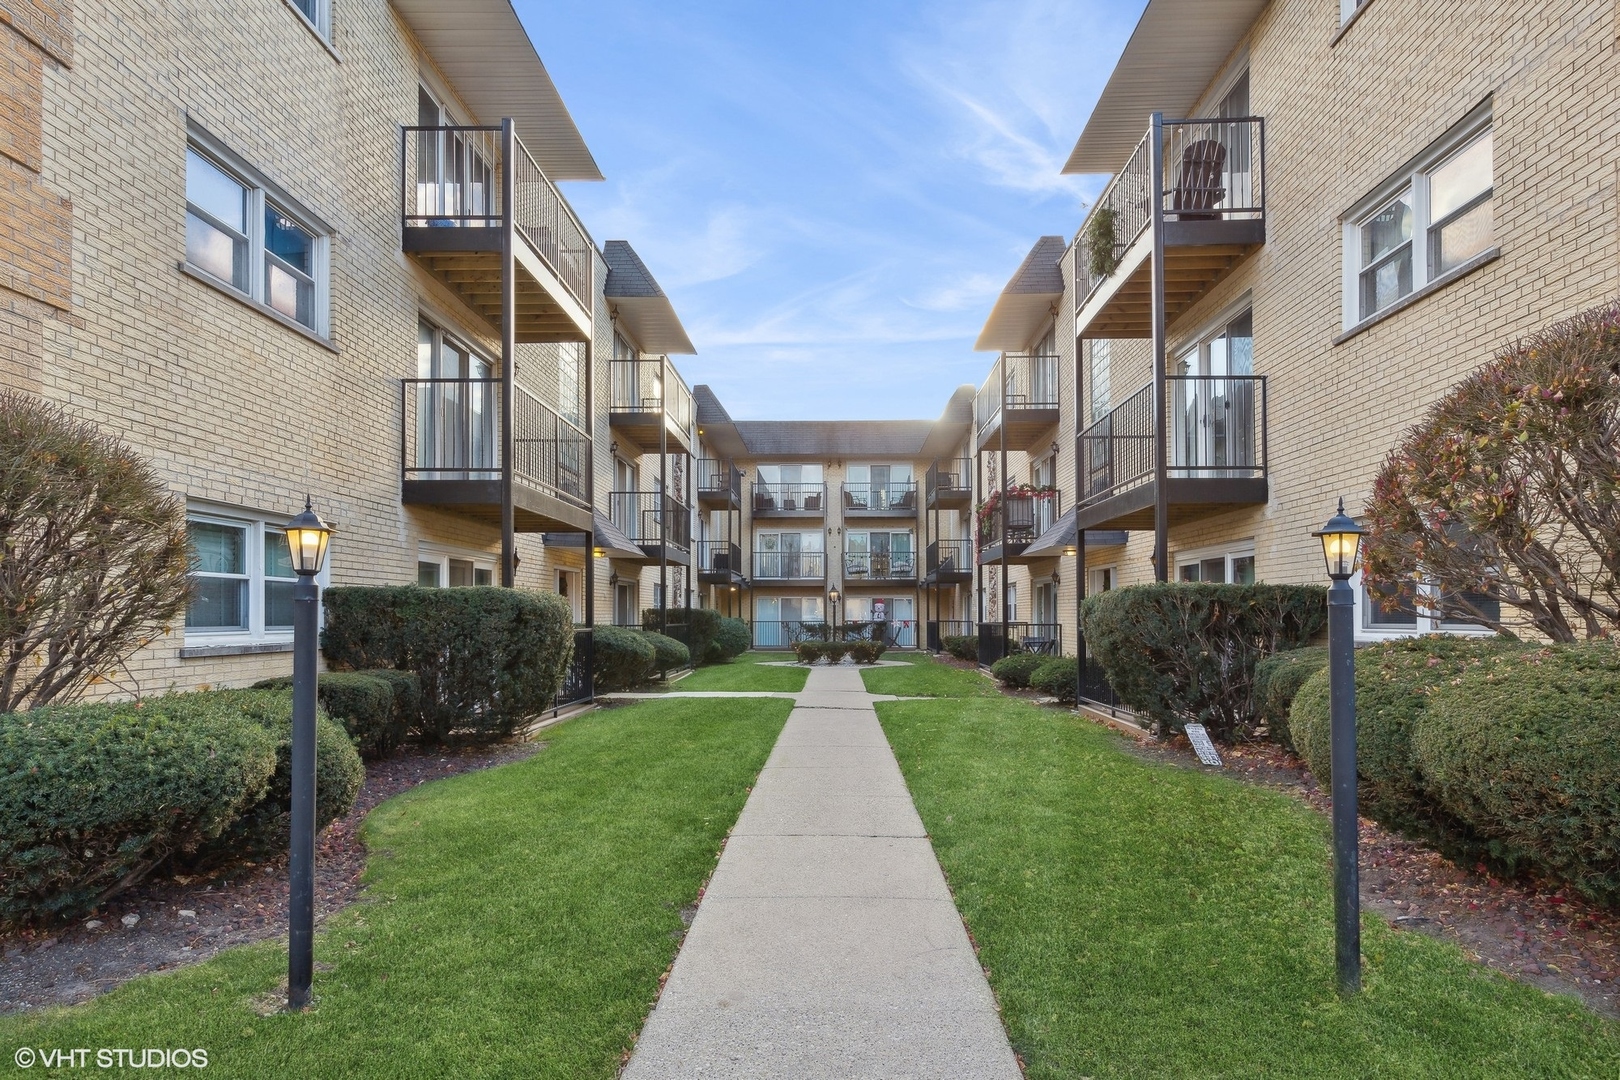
x: 709, y: 409
x: 834, y: 438
x: 627, y: 274
x: 1040, y: 271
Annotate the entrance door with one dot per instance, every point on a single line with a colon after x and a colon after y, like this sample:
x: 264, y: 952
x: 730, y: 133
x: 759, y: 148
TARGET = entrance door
x: 1214, y: 407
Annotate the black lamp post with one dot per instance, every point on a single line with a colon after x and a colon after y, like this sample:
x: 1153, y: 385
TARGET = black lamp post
x: 1341, y: 540
x: 307, y: 537
x: 832, y: 611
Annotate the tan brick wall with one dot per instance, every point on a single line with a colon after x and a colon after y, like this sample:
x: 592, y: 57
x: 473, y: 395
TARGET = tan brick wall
x: 22, y: 72
x: 46, y: 23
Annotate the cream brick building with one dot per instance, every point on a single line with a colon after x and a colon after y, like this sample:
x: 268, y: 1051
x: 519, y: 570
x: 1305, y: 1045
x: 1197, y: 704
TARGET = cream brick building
x: 1357, y: 205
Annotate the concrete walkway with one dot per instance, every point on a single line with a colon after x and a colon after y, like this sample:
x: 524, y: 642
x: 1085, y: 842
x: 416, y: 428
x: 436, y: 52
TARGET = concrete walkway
x: 827, y: 944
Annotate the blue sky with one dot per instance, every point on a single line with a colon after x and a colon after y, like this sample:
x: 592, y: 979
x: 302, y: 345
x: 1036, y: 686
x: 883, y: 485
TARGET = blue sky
x: 831, y: 194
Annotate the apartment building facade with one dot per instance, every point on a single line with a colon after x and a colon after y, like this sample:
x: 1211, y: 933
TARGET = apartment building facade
x: 1308, y: 234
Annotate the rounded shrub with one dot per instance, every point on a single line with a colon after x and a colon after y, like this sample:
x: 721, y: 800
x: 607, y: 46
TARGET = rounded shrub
x: 808, y: 652
x: 1015, y: 670
x: 961, y: 646
x: 623, y: 658
x: 730, y: 641
x: 867, y: 652
x: 668, y: 654
x: 1277, y: 679
x: 835, y: 651
x: 92, y: 797
x: 1526, y: 750
x: 702, y: 628
x: 407, y: 691
x: 363, y: 702
x: 1056, y: 677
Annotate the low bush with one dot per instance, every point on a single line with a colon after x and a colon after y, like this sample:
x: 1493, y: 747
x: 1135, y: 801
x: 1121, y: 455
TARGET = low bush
x: 487, y: 658
x: 363, y: 702
x: 808, y: 652
x: 1525, y: 748
x: 668, y: 654
x: 1015, y: 670
x: 835, y: 651
x: 1179, y: 652
x: 1056, y: 677
x: 1277, y: 678
x: 730, y: 641
x: 623, y: 659
x: 702, y: 628
x: 95, y: 796
x: 867, y: 652
x: 961, y: 646
x: 407, y: 690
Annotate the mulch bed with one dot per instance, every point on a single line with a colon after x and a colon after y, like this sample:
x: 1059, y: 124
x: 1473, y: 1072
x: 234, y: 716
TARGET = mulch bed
x: 179, y: 921
x: 1534, y: 931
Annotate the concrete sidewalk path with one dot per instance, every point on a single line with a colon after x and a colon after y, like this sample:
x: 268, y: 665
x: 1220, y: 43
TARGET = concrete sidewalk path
x: 827, y: 944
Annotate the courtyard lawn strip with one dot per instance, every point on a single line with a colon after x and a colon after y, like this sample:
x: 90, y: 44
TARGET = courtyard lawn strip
x: 744, y: 673
x: 519, y: 922
x: 1142, y: 920
x: 925, y: 677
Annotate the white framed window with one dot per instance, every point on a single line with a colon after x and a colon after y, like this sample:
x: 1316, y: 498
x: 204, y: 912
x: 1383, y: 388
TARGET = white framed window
x: 1427, y: 221
x: 1413, y: 613
x: 1101, y: 580
x: 1230, y: 565
x: 1098, y: 365
x: 241, y: 578
x: 448, y: 568
x: 243, y: 235
x: 318, y: 13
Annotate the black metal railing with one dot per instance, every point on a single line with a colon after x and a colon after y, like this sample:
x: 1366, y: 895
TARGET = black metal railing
x: 578, y: 682
x: 452, y: 431
x: 650, y: 385
x: 1216, y: 426
x: 718, y: 478
x: 1097, y: 691
x: 651, y: 517
x: 940, y: 629
x: 950, y: 556
x: 1020, y: 518
x: 1043, y: 639
x: 790, y: 565
x: 1214, y: 170
x: 896, y: 497
x: 953, y: 476
x: 719, y: 557
x: 772, y: 498
x: 1032, y: 383
x: 453, y: 176
x: 785, y: 633
x: 880, y: 566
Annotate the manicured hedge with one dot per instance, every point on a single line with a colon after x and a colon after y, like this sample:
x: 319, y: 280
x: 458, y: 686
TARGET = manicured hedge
x: 867, y: 652
x: 1277, y: 678
x: 1525, y: 748
x: 374, y: 707
x: 1015, y: 670
x: 623, y: 658
x: 835, y: 651
x: 702, y: 628
x: 730, y: 641
x: 487, y: 658
x: 961, y: 646
x: 92, y: 797
x: 1179, y: 652
x: 1057, y: 677
x: 669, y: 654
x: 808, y: 652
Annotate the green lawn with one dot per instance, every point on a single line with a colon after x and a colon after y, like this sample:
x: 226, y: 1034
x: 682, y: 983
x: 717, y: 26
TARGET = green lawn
x: 925, y: 677
x: 521, y: 917
x: 745, y: 673
x: 1144, y: 920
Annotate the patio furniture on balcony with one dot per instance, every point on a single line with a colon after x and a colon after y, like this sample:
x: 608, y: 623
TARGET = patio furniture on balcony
x: 719, y: 484
x: 788, y: 500
x: 949, y: 484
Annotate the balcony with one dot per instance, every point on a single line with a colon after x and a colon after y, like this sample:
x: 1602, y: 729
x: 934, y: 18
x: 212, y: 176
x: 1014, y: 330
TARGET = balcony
x: 450, y: 455
x: 648, y: 396
x: 788, y: 567
x: 719, y: 562
x: 950, y: 562
x: 1209, y: 201
x: 894, y: 499
x: 880, y: 568
x: 719, y: 484
x: 1012, y: 527
x: 660, y: 525
x: 1030, y: 407
x: 789, y: 500
x: 454, y: 217
x: 997, y: 639
x: 1215, y: 455
x: 950, y: 484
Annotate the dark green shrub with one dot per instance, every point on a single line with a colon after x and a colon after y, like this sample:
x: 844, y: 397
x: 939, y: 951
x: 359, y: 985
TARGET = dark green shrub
x: 1015, y: 670
x: 835, y: 651
x: 867, y: 652
x: 407, y: 690
x: 623, y: 659
x: 1179, y: 652
x: 262, y: 828
x: 961, y: 646
x: 92, y: 797
x: 730, y: 641
x: 487, y: 658
x: 1056, y: 677
x: 669, y: 654
x: 808, y: 652
x: 1277, y: 678
x: 1525, y: 748
x: 702, y: 628
x: 361, y: 701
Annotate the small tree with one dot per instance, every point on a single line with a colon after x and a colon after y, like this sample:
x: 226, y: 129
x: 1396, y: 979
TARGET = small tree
x: 1510, y: 488
x: 93, y: 554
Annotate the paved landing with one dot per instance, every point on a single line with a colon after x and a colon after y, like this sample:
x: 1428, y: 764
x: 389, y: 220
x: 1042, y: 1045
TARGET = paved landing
x: 827, y: 944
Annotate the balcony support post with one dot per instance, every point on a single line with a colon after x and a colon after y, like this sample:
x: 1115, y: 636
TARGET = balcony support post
x: 663, y: 495
x: 508, y: 355
x: 1161, y: 494
x: 1001, y: 473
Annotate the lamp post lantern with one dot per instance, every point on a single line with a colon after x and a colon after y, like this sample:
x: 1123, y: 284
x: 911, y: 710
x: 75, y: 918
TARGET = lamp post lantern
x: 307, y: 539
x: 1341, y: 543
x: 832, y: 610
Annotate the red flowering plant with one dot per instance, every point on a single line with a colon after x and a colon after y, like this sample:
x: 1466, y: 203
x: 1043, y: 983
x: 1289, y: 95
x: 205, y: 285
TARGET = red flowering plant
x: 986, y: 513
x: 1510, y: 490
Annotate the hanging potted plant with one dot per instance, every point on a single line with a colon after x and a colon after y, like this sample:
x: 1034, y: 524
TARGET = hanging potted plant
x: 1101, y: 258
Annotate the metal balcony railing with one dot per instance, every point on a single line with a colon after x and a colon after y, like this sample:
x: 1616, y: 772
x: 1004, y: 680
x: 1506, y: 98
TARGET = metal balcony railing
x: 1032, y: 383
x: 452, y: 431
x: 949, y: 477
x: 1020, y: 518
x: 950, y: 556
x: 789, y: 498
x: 1214, y: 170
x: 1215, y: 424
x: 650, y: 385
x: 453, y: 176
x: 784, y: 633
x: 790, y: 565
x: 651, y: 517
x: 719, y: 478
x: 719, y: 557
x: 1043, y: 639
x: 894, y: 497
x: 880, y: 566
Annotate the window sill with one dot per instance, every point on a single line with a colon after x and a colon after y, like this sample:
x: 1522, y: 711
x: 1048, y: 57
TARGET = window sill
x: 1489, y: 255
x: 1345, y: 26
x: 313, y: 29
x: 247, y: 301
x: 194, y: 652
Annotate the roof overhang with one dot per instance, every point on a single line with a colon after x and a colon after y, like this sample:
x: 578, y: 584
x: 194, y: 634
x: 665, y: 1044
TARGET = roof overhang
x: 482, y: 47
x: 953, y: 427
x: 1052, y: 543
x: 1175, y: 52
x: 653, y: 324
x: 1025, y: 306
